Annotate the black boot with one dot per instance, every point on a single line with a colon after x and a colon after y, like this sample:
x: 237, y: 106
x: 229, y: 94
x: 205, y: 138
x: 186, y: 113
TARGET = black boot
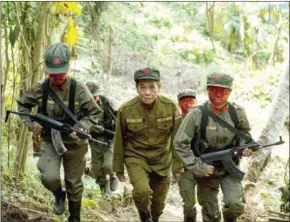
x: 189, y: 218
x: 105, y: 189
x: 145, y: 217
x: 229, y: 219
x: 74, y: 211
x: 114, y: 182
x: 155, y: 220
x: 59, y: 203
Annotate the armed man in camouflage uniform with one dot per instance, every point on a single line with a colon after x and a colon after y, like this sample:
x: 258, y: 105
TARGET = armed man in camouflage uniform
x: 79, y: 101
x: 186, y: 101
x: 102, y: 155
x: 208, y: 177
x: 145, y: 128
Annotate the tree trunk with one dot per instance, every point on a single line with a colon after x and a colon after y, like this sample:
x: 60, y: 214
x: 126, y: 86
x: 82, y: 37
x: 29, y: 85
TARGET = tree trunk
x: 1, y: 102
x: 210, y: 22
x: 271, y: 131
x: 30, y: 70
x: 18, y: 168
x: 37, y: 51
x: 4, y: 78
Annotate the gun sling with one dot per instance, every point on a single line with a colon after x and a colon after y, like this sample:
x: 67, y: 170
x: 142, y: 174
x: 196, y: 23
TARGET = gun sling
x: 226, y: 125
x: 60, y: 103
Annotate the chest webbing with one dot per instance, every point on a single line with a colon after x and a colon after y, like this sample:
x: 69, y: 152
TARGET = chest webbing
x: 204, y: 119
x: 72, y: 94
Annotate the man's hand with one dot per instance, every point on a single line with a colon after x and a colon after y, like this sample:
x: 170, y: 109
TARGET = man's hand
x: 248, y: 152
x: 175, y: 177
x: 121, y: 176
x: 37, y: 128
x: 208, y: 171
x: 74, y: 136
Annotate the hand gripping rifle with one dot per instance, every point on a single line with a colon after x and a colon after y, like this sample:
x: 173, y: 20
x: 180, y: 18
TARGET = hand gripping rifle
x: 225, y: 156
x: 56, y: 126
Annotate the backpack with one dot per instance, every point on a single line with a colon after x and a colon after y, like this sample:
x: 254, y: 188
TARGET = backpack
x: 110, y: 115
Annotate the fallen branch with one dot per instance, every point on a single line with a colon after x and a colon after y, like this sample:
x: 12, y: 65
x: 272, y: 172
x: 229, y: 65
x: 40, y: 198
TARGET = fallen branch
x: 279, y: 213
x: 35, y: 211
x: 277, y: 219
x: 5, y: 203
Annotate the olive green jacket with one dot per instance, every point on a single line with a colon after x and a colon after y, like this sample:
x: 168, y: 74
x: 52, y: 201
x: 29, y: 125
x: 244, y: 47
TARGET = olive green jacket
x: 83, y: 101
x: 145, y: 137
x: 216, y: 135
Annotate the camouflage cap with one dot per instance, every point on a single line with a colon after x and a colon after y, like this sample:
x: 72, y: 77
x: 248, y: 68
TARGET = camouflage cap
x: 186, y: 92
x: 147, y: 73
x: 220, y: 79
x: 93, y: 87
x: 57, y: 58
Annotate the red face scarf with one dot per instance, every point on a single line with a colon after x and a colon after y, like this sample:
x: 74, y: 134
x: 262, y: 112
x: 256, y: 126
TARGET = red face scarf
x: 186, y: 103
x: 96, y: 98
x: 218, y: 96
x: 57, y: 79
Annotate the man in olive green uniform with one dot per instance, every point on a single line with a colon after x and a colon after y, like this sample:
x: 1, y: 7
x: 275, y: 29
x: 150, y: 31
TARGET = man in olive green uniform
x: 76, y: 96
x: 102, y: 155
x: 145, y: 128
x: 208, y: 177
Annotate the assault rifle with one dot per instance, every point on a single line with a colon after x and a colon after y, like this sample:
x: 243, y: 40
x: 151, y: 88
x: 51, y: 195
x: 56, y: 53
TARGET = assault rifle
x: 225, y: 156
x: 56, y: 125
x: 105, y: 130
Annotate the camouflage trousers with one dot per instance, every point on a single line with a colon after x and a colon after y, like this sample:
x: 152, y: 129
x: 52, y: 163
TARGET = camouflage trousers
x: 207, y: 195
x: 149, y: 189
x: 73, y: 161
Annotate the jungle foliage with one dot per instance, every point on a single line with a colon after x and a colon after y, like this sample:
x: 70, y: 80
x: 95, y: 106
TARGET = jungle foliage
x: 185, y: 40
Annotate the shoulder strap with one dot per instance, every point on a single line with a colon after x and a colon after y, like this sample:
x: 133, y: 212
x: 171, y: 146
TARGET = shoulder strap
x: 233, y: 114
x: 227, y: 125
x: 72, y: 95
x: 204, y: 122
x: 42, y: 109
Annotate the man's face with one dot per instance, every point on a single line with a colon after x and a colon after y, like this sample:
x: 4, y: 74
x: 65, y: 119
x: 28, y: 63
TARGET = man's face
x: 187, y: 103
x: 57, y: 79
x: 148, y: 90
x: 218, y: 96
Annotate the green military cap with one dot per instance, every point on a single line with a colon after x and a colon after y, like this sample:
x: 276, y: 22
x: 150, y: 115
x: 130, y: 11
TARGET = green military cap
x: 220, y: 79
x: 93, y: 87
x: 57, y: 58
x: 186, y: 92
x: 147, y: 73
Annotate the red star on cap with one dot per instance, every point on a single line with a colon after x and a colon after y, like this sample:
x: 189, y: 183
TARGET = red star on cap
x: 56, y: 61
x: 218, y: 77
x: 146, y: 71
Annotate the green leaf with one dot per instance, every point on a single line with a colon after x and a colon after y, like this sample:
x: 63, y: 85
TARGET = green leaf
x: 13, y: 36
x: 89, y: 203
